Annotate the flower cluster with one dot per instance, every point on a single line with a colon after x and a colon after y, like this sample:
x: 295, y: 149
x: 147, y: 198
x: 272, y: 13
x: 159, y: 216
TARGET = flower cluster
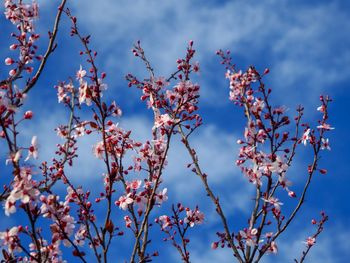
x: 24, y: 189
x: 59, y: 212
x: 10, y: 239
x: 22, y: 15
x: 176, y: 226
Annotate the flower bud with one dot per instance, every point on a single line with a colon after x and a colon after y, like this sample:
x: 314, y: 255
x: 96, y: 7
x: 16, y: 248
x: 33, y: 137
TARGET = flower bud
x: 12, y: 72
x: 28, y: 115
x: 9, y: 61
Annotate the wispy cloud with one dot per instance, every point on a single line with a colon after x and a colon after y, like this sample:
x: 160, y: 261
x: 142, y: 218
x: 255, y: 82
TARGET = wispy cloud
x: 305, y: 45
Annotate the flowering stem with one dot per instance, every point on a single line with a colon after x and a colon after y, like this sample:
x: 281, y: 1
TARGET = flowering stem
x: 150, y: 201
x: 215, y: 200
x: 49, y: 50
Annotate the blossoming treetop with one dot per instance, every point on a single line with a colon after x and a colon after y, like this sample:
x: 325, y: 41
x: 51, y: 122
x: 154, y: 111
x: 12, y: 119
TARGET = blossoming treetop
x: 133, y: 192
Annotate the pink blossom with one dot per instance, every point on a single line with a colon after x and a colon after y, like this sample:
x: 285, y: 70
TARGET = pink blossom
x: 194, y: 217
x: 325, y: 144
x: 273, y: 247
x: 274, y: 201
x: 33, y: 149
x: 79, y: 131
x: 116, y: 110
x: 258, y: 106
x: 14, y: 158
x: 310, y: 241
x: 10, y: 205
x: 305, y: 137
x: 81, y: 73
x: 124, y: 201
x: 99, y: 150
x: 85, y: 95
x: 325, y: 126
x: 249, y: 236
x: 10, y: 239
x: 140, y: 200
x: 128, y: 221
x: 166, y: 221
x: 135, y: 184
x: 24, y: 189
x: 80, y: 236
x: 164, y: 121
x: 321, y: 108
x: 162, y: 196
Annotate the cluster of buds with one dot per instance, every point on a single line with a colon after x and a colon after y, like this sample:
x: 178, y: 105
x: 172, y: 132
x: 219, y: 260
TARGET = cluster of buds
x: 177, y: 225
x: 22, y: 15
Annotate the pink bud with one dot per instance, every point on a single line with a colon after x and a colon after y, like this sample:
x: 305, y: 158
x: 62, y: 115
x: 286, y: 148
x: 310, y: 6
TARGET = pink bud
x: 292, y: 194
x: 323, y: 171
x: 313, y: 221
x: 28, y: 115
x: 266, y: 71
x: 29, y: 69
x: 12, y: 72
x: 9, y: 61
x: 13, y: 46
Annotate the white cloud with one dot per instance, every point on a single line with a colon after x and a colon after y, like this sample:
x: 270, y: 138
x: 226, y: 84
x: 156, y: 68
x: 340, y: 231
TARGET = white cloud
x: 305, y: 45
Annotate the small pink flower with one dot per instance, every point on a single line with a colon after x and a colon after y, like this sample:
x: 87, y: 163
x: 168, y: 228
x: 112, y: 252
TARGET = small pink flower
x: 273, y: 247
x: 99, y: 149
x: 81, y: 73
x: 128, y: 221
x: 135, y: 184
x: 325, y: 144
x: 194, y: 217
x: 166, y: 221
x: 10, y: 239
x: 164, y: 121
x: 124, y: 201
x: 310, y: 241
x: 140, y: 200
x: 162, y: 196
x: 33, y: 149
x: 274, y: 201
x: 325, y: 126
x: 14, y: 158
x: 84, y: 94
x: 10, y: 206
x: 305, y: 137
x: 322, y: 108
x: 249, y: 236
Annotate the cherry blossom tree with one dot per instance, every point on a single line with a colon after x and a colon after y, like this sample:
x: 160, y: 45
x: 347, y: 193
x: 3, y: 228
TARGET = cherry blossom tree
x: 57, y: 223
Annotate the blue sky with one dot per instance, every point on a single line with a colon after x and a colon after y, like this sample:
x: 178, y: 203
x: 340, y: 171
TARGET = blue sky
x: 305, y: 44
